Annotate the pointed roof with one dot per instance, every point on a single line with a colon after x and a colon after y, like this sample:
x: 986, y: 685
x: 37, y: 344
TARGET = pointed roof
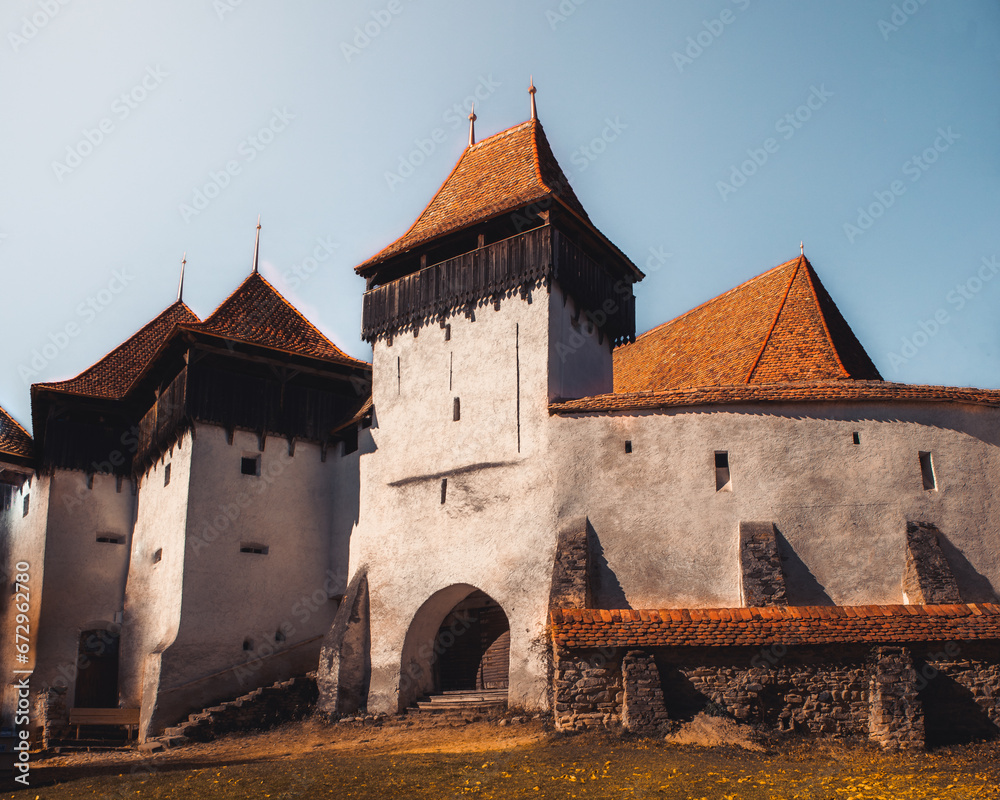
x: 497, y: 175
x: 257, y: 314
x: 113, y: 375
x: 15, y: 441
x: 779, y: 327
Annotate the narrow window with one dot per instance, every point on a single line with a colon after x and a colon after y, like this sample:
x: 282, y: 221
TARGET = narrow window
x: 456, y: 411
x: 256, y: 549
x: 248, y: 644
x: 106, y: 538
x: 118, y: 484
x: 250, y: 465
x: 723, y: 482
x: 927, y: 471
x: 628, y: 445
x: 857, y: 438
x: 447, y: 332
x: 444, y: 490
x: 158, y: 556
x: 166, y: 475
x: 25, y: 504
x: 90, y: 481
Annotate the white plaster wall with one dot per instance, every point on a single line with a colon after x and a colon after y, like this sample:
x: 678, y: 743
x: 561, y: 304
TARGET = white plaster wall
x: 496, y: 529
x: 154, y: 589
x: 214, y: 597
x: 24, y: 540
x: 670, y: 539
x: 84, y: 579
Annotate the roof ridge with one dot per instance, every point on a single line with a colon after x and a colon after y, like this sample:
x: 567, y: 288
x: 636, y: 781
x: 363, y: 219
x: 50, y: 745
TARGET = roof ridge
x: 810, y: 274
x: 774, y: 323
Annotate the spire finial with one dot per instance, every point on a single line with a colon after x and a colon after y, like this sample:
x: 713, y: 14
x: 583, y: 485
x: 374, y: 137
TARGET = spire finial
x: 531, y: 91
x: 256, y: 245
x: 472, y: 125
x: 802, y: 249
x: 180, y: 286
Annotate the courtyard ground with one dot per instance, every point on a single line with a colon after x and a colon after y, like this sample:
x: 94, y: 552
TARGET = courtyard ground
x: 312, y: 760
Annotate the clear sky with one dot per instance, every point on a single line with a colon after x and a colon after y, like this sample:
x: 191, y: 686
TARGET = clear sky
x: 706, y: 139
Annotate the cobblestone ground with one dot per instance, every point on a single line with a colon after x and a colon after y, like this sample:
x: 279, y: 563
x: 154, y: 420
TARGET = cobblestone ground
x: 484, y: 761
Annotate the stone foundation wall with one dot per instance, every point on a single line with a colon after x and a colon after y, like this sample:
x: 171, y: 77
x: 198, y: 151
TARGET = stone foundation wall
x: 587, y: 687
x: 643, y: 709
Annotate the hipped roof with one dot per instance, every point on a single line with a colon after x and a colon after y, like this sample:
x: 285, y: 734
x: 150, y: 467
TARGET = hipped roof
x: 15, y: 441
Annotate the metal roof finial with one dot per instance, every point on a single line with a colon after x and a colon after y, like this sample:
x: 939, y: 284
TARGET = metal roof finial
x: 802, y: 249
x: 472, y: 125
x: 531, y: 91
x: 256, y: 246
x: 180, y: 286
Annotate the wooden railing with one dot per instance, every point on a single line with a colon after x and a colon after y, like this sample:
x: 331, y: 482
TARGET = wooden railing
x: 489, y: 273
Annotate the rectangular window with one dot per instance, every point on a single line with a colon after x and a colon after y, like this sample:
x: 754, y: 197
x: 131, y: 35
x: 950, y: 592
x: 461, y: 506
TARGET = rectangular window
x: 158, y: 556
x: 447, y: 332
x: 456, y: 410
x: 107, y: 538
x: 166, y: 475
x: 250, y: 465
x: 255, y: 549
x: 723, y: 480
x: 25, y: 504
x: 927, y: 471
x: 444, y: 490
x: 857, y: 438
x: 628, y: 445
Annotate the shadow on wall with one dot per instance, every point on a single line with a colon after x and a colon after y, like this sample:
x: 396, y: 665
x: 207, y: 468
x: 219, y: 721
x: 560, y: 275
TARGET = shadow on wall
x: 606, y: 589
x: 973, y: 586
x: 801, y: 586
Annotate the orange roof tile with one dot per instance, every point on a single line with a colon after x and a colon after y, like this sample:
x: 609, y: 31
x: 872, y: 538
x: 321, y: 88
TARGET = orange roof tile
x: 14, y: 440
x: 789, y: 625
x: 113, y: 375
x: 256, y: 313
x: 801, y: 392
x: 495, y: 176
x: 778, y: 327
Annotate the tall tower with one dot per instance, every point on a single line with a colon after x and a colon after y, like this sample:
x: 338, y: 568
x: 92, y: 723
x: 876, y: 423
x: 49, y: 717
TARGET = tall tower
x: 500, y: 298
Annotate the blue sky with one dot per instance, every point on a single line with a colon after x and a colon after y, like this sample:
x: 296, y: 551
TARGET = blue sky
x: 706, y: 139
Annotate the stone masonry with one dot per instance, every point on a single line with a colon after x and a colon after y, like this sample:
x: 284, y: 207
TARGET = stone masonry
x: 761, y: 576
x: 927, y: 577
x: 571, y: 572
x: 896, y: 721
x: 588, y: 688
x: 642, y: 702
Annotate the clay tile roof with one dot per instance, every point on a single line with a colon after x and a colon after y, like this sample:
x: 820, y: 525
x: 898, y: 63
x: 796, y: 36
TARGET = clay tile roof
x: 779, y: 327
x: 495, y: 176
x: 800, y: 392
x: 592, y: 628
x: 14, y: 440
x: 257, y: 314
x: 113, y: 375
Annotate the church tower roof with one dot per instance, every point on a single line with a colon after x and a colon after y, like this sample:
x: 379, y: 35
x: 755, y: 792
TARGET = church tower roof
x: 15, y: 441
x: 113, y: 375
x: 495, y: 176
x: 779, y: 327
x: 255, y: 313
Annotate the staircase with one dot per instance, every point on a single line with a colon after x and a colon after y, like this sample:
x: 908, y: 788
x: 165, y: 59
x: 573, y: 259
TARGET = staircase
x: 262, y: 708
x: 465, y: 705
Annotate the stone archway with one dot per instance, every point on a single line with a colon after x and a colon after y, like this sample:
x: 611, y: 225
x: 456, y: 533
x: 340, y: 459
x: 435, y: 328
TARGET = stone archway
x: 458, y: 639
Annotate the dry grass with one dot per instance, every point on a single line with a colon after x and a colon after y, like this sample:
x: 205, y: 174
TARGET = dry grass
x: 309, y: 760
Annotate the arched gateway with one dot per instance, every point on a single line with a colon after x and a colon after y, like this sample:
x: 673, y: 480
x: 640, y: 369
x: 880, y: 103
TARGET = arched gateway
x: 459, y: 639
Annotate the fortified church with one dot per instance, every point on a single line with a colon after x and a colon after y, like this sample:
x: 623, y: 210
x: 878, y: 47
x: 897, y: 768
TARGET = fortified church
x: 519, y: 501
